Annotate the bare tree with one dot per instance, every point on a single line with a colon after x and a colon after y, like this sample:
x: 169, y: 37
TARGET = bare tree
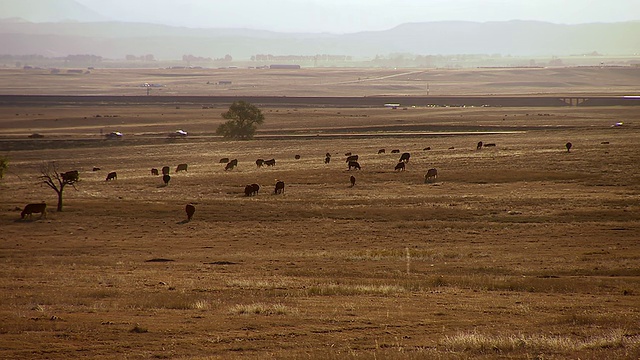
x: 56, y: 180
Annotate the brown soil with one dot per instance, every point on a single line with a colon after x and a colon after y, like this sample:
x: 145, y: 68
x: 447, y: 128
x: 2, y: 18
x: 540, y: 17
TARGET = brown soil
x: 521, y: 250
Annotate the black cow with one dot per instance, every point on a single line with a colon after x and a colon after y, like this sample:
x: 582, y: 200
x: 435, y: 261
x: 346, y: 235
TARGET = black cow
x: 190, y: 209
x: 354, y: 164
x: 259, y: 162
x: 297, y: 157
x: 279, y: 187
x: 479, y: 146
x: 181, y: 167
x: 351, y: 158
x: 96, y: 168
x: 34, y: 208
x: 381, y: 151
x: 395, y: 151
x: 489, y: 145
x: 427, y: 148
x: 347, y: 154
x: 327, y: 155
x: 400, y: 166
x: 112, y: 176
x: 568, y: 146
x: 405, y: 157
x: 154, y: 171
x: 251, y: 190
x: 224, y: 160
x: 70, y: 176
x: 166, y: 178
x: 327, y: 159
x: 271, y: 162
x: 353, y: 181
x: 165, y: 170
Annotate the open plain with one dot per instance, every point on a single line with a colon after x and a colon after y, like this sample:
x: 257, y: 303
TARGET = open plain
x: 522, y: 250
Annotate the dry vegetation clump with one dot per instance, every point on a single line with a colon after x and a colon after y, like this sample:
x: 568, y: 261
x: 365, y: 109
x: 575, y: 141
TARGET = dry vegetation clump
x: 516, y: 251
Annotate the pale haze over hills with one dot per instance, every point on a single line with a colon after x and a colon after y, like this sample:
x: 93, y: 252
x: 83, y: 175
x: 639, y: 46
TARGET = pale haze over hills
x: 333, y: 16
x: 170, y: 29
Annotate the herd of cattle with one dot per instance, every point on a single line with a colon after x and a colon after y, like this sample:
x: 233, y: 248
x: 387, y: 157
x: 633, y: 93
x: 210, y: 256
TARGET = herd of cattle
x: 253, y: 189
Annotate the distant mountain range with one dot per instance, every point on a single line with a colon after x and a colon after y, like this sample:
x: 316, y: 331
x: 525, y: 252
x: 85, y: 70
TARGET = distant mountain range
x: 52, y: 29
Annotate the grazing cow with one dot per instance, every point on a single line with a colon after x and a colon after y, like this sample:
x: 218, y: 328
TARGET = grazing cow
x: 354, y: 164
x: 166, y: 178
x: 479, y: 146
x: 259, y: 162
x: 34, y: 208
x: 405, y: 157
x: 427, y: 148
x: 351, y: 158
x: 190, y: 209
x: 96, y: 168
x: 327, y: 159
x: 395, y: 151
x: 279, y: 187
x: 224, y: 160
x: 251, y: 190
x: 353, y: 181
x: 381, y: 151
x: 346, y: 154
x: 431, y: 175
x: 231, y: 164
x: 70, y: 176
x: 112, y: 176
x: 297, y: 157
x: 181, y: 167
x: 327, y: 155
x: 271, y: 162
x: 568, y: 146
x: 490, y: 145
x: 154, y: 171
x: 165, y: 170
x: 400, y: 166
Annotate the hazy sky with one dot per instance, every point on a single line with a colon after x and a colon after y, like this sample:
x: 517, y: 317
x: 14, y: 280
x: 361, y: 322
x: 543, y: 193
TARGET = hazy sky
x: 344, y: 16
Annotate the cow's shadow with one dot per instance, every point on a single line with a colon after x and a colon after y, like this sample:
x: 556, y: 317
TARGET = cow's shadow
x: 183, y: 222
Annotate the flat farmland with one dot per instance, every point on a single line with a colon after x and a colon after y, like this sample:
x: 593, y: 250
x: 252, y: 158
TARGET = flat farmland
x: 521, y: 250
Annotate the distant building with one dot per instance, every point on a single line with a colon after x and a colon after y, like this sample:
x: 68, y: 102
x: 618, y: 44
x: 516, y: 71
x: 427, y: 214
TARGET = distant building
x: 284, y: 66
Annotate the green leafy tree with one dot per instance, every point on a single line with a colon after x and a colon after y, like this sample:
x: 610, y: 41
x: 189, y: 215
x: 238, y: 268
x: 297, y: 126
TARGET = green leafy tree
x: 242, y: 120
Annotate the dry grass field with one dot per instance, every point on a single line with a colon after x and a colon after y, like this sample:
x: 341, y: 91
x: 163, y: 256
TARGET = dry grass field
x: 518, y: 251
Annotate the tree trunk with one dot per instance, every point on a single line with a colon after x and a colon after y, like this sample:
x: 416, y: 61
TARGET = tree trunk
x: 59, y: 201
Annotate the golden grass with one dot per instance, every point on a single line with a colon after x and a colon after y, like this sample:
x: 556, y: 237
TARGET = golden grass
x: 518, y: 251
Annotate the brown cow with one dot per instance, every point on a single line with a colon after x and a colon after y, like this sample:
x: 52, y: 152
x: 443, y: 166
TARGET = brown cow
x: 231, y: 164
x: 279, y: 187
x: 405, y: 157
x: 224, y: 160
x: 327, y: 159
x: 395, y: 151
x: 34, y: 208
x: 271, y: 162
x: 353, y: 181
x: 381, y: 151
x: 259, y: 162
x: 181, y: 167
x: 166, y: 178
x: 112, y: 176
x: 431, y: 175
x: 352, y: 158
x: 355, y: 165
x: 190, y: 209
x: 251, y: 190
x: 154, y: 171
x: 70, y: 176
x: 400, y: 166
x: 165, y: 170
x: 479, y: 146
